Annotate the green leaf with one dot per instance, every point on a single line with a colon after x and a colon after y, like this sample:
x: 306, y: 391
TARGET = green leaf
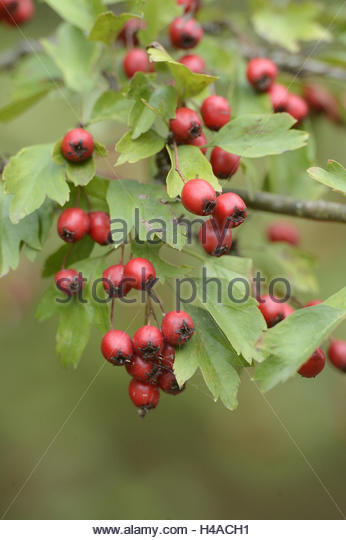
x: 245, y: 99
x: 100, y: 149
x: 157, y: 15
x: 258, y: 135
x: 334, y: 177
x: 96, y: 191
x: 79, y: 251
x: 112, y: 106
x: 148, y: 144
x: 164, y: 270
x: 31, y: 176
x: 108, y: 25
x: 22, y: 104
x: 73, y: 332
x: 81, y: 173
x: 290, y: 343
x: 192, y: 164
x: 80, y: 13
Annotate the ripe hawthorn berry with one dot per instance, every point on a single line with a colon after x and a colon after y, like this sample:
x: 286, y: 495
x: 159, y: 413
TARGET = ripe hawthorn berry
x: 194, y: 62
x: 167, y: 357
x: 141, y: 369
x: 230, y: 210
x: 113, y: 281
x: 189, y: 5
x: 261, y: 73
x: 186, y: 125
x: 297, y: 107
x: 128, y: 33
x: 337, y: 354
x: 148, y: 342
x: 321, y: 100
x: 224, y: 163
x: 100, y: 228
x: 273, y: 310
x: 116, y: 347
x: 314, y: 365
x: 216, y: 112
x: 215, y: 240
x: 69, y: 281
x: 177, y: 327
x: 16, y: 12
x: 313, y: 303
x: 283, y: 231
x: 199, y: 141
x: 198, y: 197
x: 73, y: 224
x: 137, y: 60
x: 278, y: 95
x: 185, y: 33
x: 139, y: 273
x: 77, y: 145
x: 146, y: 396
x: 169, y: 384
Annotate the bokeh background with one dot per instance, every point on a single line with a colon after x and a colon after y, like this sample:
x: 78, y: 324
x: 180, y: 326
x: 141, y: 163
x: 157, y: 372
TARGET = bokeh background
x: 71, y: 444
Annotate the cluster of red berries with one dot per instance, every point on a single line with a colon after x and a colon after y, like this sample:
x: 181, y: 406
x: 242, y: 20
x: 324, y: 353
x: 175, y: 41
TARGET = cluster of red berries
x: 16, y: 12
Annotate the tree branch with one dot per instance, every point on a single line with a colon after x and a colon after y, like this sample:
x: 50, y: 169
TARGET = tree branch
x: 10, y: 57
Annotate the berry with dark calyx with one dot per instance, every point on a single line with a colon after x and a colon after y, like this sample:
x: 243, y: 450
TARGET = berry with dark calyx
x: 283, y: 231
x: 273, y: 310
x: 142, y: 370
x: 278, y: 95
x: 137, y: 60
x: 189, y: 5
x: 169, y: 384
x: 230, y: 210
x: 198, y: 197
x: 100, y: 228
x: 146, y: 396
x: 113, y: 281
x: 77, y: 145
x: 337, y: 354
x: 128, y: 33
x: 215, y: 240
x: 297, y: 107
x: 321, y: 100
x: 224, y: 164
x: 216, y: 112
x: 314, y: 365
x: 177, y: 327
x: 117, y: 347
x: 139, y: 273
x: 313, y: 303
x: 186, y: 125
x: 194, y: 62
x: 69, y: 281
x: 185, y: 33
x: 261, y: 73
x: 148, y: 342
x: 167, y: 357
x: 73, y: 224
x: 17, y: 12
x: 199, y: 141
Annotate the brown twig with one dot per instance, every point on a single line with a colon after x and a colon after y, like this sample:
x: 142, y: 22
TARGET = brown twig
x: 176, y: 159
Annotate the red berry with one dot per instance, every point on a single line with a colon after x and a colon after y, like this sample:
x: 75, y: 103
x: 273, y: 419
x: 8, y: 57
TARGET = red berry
x: 186, y: 125
x: 169, y: 384
x: 278, y: 94
x: 313, y: 303
x: 73, y: 224
x: 198, y: 197
x: 167, y: 357
x: 194, y: 62
x: 287, y: 310
x: 297, y: 107
x: 199, y: 141
x: 337, y: 354
x: 117, y: 347
x: 215, y: 112
x: 273, y: 311
x: 77, y: 145
x: 144, y: 395
x: 148, y: 342
x: 177, y: 327
x: 69, y: 281
x: 139, y: 273
x: 215, y: 240
x: 261, y: 73
x: 113, y: 281
x: 189, y: 5
x: 16, y: 12
x: 185, y: 33
x: 137, y: 60
x: 314, y: 365
x: 224, y: 163
x: 128, y: 33
x: 230, y: 210
x: 141, y: 369
x: 282, y: 231
x: 320, y: 99
x: 100, y: 228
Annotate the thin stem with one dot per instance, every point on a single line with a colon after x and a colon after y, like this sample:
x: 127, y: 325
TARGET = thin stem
x: 87, y: 199
x: 152, y: 311
x: 78, y: 197
x: 130, y: 238
x: 66, y: 256
x: 158, y: 301
x: 112, y: 313
x: 176, y: 159
x: 122, y: 254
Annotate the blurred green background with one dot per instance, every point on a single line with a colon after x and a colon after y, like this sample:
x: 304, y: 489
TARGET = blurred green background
x: 71, y: 444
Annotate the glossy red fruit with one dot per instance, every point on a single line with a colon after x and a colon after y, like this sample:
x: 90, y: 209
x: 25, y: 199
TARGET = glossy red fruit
x: 128, y: 33
x: 146, y: 396
x: 167, y: 357
x: 177, y: 327
x: 224, y: 164
x: 17, y: 12
x: 113, y: 281
x: 100, y: 228
x: 148, y: 342
x: 141, y: 369
x: 189, y: 5
x: 139, y: 273
x: 273, y: 310
x: 73, y: 224
x: 199, y: 141
x: 278, y: 95
x: 337, y: 354
x: 313, y: 303
x: 116, y: 347
x: 77, y: 145
x: 185, y: 33
x: 283, y: 231
x: 186, y: 125
x: 230, y: 210
x: 194, y: 62
x: 216, y: 112
x: 261, y: 73
x: 169, y: 384
x: 69, y: 281
x: 215, y: 240
x: 321, y: 100
x: 137, y: 60
x: 314, y: 365
x: 198, y: 197
x: 297, y: 107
